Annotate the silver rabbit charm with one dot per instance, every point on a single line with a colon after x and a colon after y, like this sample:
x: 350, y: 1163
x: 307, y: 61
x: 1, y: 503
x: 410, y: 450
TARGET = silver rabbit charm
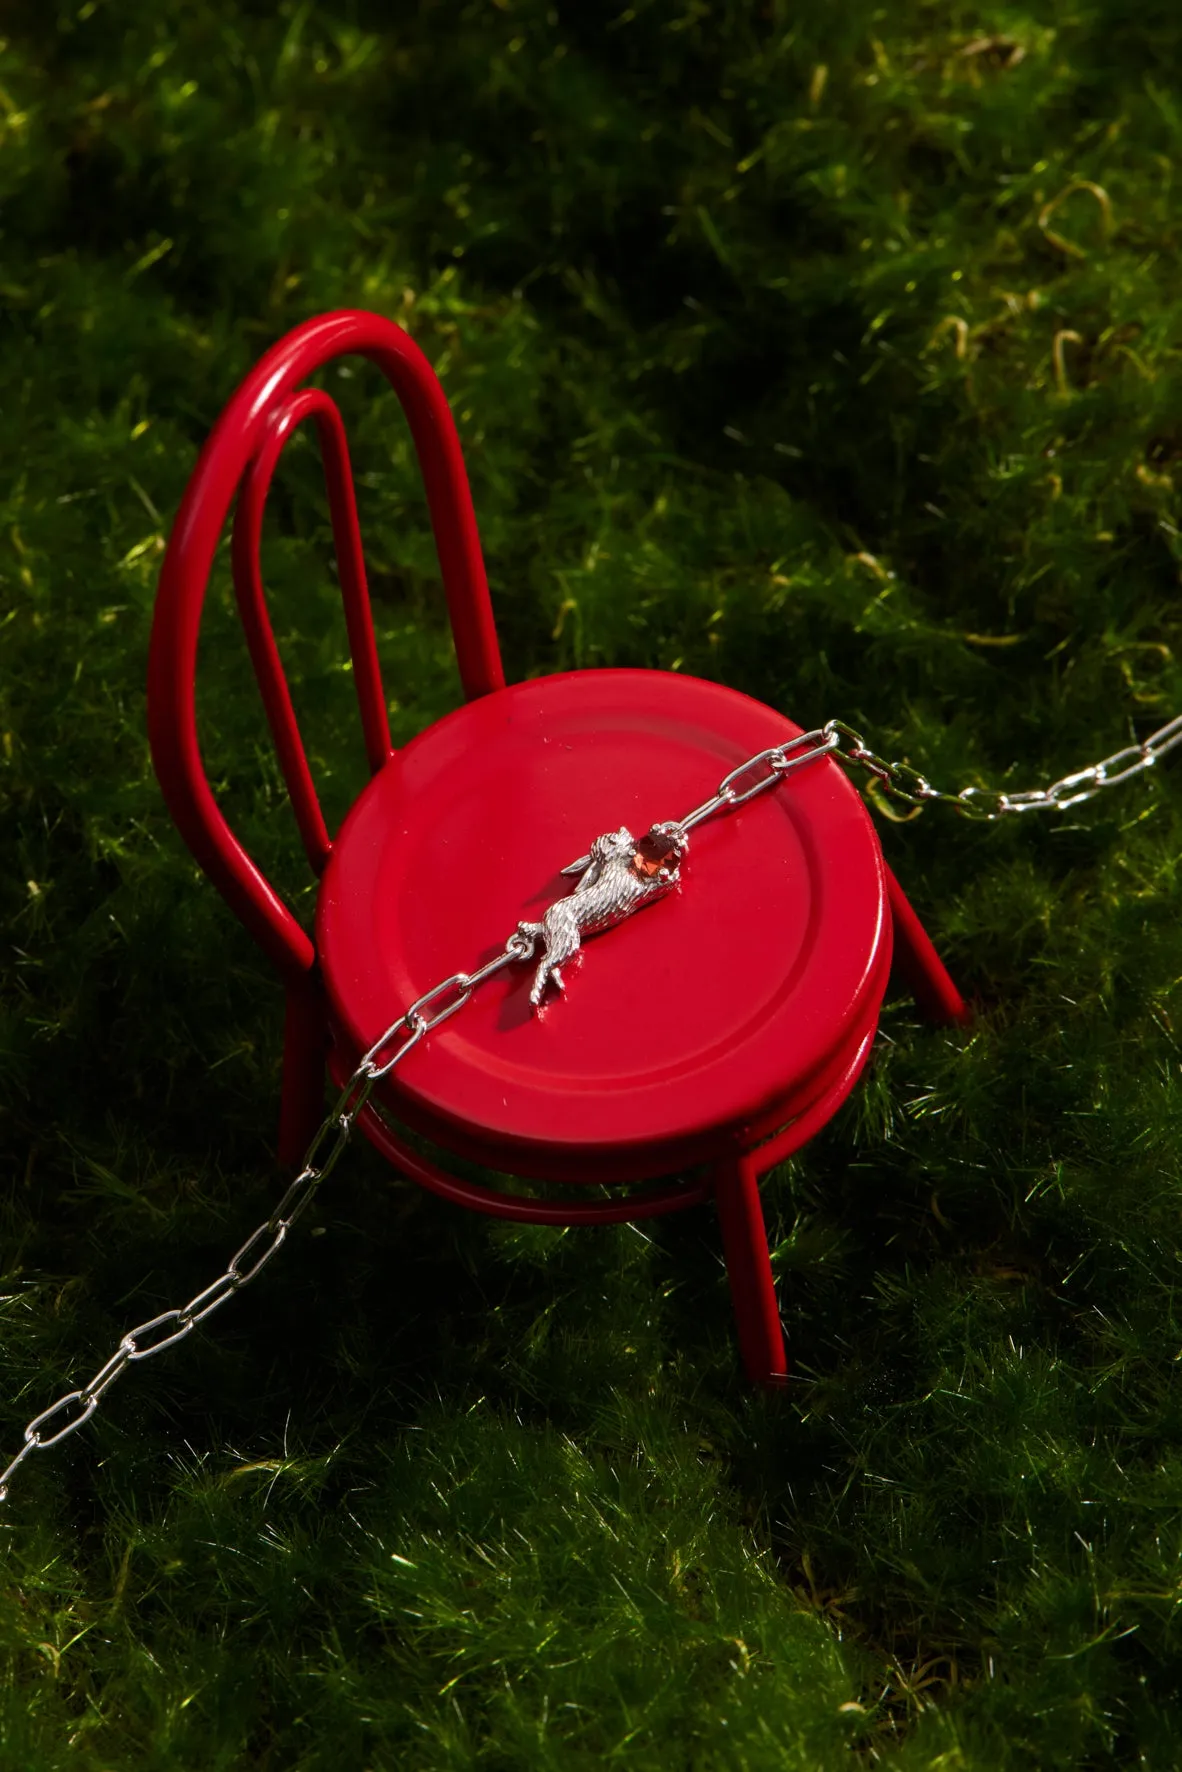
x: 619, y: 876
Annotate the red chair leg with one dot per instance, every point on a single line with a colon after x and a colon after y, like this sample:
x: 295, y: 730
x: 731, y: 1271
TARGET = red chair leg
x: 920, y: 965
x: 305, y: 1046
x: 744, y: 1242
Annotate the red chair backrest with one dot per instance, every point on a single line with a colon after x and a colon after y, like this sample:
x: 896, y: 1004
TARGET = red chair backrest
x: 241, y: 455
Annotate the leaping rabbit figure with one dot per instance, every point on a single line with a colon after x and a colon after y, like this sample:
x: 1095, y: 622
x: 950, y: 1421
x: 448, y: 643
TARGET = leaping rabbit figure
x: 619, y: 876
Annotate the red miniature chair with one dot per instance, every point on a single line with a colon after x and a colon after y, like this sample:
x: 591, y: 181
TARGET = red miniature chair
x: 716, y: 1033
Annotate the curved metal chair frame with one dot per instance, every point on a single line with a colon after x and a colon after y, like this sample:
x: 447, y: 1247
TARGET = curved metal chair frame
x: 240, y: 458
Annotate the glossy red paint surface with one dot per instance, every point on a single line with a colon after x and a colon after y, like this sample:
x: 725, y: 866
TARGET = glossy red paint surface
x: 682, y: 1028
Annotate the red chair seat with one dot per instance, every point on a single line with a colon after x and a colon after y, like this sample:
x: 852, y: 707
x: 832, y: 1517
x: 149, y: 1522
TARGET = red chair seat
x: 687, y: 1030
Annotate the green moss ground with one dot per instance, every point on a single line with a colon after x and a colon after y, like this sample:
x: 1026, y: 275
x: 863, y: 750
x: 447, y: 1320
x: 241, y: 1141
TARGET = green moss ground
x: 828, y: 351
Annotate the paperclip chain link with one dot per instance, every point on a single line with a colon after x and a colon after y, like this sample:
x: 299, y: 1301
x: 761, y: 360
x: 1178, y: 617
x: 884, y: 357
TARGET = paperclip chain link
x: 904, y: 783
x: 150, y: 1338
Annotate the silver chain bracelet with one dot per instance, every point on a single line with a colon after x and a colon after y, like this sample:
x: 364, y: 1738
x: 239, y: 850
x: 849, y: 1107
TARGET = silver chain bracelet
x: 617, y: 876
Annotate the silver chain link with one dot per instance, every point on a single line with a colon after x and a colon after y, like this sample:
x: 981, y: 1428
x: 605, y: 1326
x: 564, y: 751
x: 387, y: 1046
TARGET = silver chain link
x: 755, y: 776
x: 150, y: 1338
x: 902, y: 782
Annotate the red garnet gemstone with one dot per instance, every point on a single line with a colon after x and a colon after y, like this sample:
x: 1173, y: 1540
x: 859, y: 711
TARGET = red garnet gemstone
x: 651, y: 854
